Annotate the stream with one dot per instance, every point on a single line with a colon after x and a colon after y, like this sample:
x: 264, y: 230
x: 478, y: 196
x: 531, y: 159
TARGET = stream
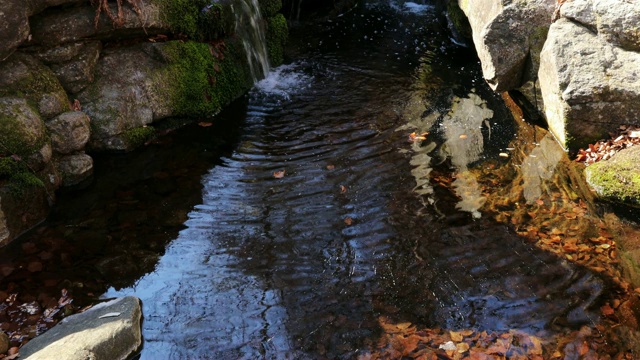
x: 340, y: 191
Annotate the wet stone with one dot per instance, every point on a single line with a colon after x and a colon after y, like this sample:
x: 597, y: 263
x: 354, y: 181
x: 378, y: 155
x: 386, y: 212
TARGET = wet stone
x: 69, y: 131
x: 75, y: 168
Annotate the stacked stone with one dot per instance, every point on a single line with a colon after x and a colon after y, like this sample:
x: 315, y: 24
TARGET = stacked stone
x: 73, y: 83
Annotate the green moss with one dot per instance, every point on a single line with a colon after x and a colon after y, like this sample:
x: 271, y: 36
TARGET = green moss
x: 35, y: 82
x: 201, y: 83
x: 277, y: 35
x: 270, y: 8
x: 616, y: 180
x: 198, y: 19
x: 19, y: 177
x: 14, y: 140
x: 138, y: 136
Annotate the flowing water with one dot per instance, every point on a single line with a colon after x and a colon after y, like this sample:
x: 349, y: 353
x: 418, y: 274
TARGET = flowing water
x: 250, y: 28
x: 309, y: 210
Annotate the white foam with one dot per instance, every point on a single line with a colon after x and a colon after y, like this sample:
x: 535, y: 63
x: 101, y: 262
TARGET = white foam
x: 284, y: 81
x: 417, y: 8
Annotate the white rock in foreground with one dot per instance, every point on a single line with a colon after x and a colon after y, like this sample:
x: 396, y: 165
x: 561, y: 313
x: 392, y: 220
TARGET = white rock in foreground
x: 91, y: 335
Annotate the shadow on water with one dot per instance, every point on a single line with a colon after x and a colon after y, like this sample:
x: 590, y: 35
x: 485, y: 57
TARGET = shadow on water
x: 350, y: 194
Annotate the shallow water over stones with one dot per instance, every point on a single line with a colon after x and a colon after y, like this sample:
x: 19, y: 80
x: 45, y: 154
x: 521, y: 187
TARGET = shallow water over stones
x: 319, y: 204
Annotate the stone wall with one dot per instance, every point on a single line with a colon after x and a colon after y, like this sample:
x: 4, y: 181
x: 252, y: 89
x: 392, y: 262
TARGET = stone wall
x: 576, y: 61
x: 73, y: 83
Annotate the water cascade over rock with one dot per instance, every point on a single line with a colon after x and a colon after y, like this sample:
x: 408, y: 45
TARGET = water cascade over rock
x: 250, y: 28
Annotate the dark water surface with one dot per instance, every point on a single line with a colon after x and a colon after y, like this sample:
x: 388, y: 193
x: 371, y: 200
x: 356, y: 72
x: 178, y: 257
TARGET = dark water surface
x: 303, y: 266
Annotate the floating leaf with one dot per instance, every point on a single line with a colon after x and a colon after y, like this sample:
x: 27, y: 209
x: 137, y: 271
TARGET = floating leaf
x: 205, y: 124
x: 279, y: 174
x: 348, y: 221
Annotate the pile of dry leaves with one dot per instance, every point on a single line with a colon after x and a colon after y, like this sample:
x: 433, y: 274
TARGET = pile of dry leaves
x: 406, y: 341
x: 628, y: 135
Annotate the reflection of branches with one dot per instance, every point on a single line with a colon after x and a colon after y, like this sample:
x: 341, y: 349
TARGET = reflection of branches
x: 118, y: 19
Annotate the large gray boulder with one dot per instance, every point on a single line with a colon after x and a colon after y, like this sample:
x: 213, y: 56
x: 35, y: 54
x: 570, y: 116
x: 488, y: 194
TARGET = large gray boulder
x: 508, y: 36
x: 589, y: 85
x: 108, y: 331
x: 615, y: 21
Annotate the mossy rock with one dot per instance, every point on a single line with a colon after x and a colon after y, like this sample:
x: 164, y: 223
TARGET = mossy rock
x: 200, y: 20
x: 270, y: 8
x: 25, y: 76
x: 17, y: 177
x: 138, y: 136
x: 617, y: 179
x: 277, y: 35
x: 22, y: 131
x: 204, y: 78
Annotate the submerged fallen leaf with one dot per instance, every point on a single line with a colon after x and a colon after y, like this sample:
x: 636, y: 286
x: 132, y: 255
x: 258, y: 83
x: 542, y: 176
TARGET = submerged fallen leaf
x: 456, y: 336
x: 462, y: 347
x: 205, y: 124
x: 606, y: 310
x: 279, y: 174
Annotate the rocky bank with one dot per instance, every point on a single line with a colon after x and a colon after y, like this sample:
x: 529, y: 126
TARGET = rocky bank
x: 81, y: 76
x: 575, y: 59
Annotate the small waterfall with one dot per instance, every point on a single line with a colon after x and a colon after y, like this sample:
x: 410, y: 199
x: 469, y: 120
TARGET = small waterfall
x: 250, y: 28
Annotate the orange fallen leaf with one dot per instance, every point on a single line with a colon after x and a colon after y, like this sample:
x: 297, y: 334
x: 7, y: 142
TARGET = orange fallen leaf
x: 330, y: 167
x: 584, y: 348
x: 343, y: 189
x: 462, y: 347
x: 606, y: 310
x: 413, y: 137
x: 455, y: 336
x: 205, y: 124
x: 463, y: 136
x: 279, y: 174
x: 348, y: 221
